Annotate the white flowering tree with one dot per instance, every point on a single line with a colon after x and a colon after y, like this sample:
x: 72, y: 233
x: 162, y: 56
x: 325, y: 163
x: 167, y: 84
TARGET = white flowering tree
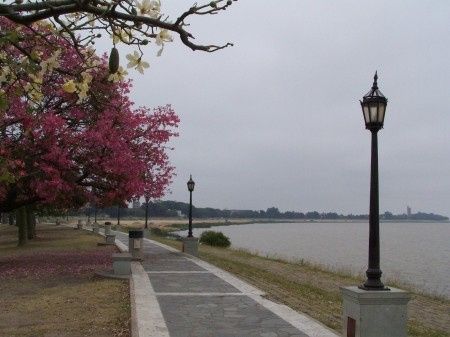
x: 136, y: 23
x: 133, y: 22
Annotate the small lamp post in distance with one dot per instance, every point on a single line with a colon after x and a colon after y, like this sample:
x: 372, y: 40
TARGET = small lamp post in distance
x: 190, y: 186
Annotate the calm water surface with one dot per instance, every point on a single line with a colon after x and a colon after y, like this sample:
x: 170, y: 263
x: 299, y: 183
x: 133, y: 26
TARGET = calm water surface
x: 414, y: 253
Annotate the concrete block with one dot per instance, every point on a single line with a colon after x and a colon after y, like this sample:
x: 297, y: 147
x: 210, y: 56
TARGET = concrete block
x: 107, y: 229
x: 95, y: 227
x: 372, y: 313
x: 110, y: 239
x: 146, y: 233
x: 80, y: 224
x: 190, y: 246
x: 122, y: 263
x: 135, y: 244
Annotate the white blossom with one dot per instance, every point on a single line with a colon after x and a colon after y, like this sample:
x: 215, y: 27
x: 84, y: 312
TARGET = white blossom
x: 135, y: 61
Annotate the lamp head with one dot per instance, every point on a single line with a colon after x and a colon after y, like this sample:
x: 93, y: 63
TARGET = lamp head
x: 373, y: 106
x: 190, y: 184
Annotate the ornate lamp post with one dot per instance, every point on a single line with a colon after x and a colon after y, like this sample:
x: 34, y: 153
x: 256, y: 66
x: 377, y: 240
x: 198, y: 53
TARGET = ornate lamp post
x: 368, y: 310
x: 190, y: 186
x: 374, y: 107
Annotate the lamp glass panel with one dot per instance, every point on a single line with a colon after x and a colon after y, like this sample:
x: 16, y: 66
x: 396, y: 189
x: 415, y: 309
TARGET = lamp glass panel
x: 366, y: 114
x: 381, y: 111
x: 373, y: 112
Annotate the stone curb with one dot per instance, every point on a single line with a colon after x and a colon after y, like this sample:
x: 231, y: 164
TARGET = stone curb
x: 146, y: 316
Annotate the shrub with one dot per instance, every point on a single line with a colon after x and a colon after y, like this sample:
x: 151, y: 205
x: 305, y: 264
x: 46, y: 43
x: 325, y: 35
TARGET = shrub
x: 213, y: 238
x: 157, y: 231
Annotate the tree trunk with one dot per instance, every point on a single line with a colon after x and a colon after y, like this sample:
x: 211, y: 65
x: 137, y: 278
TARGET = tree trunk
x: 21, y: 221
x: 31, y: 223
x: 11, y: 218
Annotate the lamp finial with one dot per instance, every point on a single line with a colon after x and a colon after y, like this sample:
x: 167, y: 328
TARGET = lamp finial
x: 375, y: 79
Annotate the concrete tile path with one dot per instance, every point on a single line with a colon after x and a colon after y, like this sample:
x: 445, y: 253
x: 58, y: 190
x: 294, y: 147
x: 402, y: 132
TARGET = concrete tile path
x: 196, y: 299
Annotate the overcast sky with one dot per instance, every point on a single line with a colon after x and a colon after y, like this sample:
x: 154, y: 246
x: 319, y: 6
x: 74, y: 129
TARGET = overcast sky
x: 276, y: 120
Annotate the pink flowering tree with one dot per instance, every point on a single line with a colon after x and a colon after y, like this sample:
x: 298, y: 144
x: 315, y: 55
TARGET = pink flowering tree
x: 69, y: 134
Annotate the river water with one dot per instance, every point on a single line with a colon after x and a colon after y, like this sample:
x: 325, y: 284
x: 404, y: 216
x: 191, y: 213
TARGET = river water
x: 414, y: 253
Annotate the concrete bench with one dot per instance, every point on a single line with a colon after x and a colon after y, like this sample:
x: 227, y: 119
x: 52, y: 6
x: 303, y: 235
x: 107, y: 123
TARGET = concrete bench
x: 122, y: 263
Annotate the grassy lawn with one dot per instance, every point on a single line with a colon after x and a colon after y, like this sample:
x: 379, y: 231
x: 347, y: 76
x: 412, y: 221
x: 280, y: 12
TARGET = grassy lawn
x: 48, y: 288
x: 313, y: 290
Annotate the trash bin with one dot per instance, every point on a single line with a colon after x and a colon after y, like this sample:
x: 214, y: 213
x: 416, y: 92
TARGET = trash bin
x: 135, y: 240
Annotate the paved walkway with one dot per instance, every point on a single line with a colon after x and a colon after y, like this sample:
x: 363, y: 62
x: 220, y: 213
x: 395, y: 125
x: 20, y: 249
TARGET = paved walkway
x: 196, y: 299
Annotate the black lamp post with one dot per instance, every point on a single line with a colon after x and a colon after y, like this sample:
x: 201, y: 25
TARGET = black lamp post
x: 374, y: 107
x: 190, y: 185
x: 147, y: 200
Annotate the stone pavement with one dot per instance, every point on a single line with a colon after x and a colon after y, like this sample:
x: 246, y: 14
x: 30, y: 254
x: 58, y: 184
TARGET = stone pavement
x: 196, y: 299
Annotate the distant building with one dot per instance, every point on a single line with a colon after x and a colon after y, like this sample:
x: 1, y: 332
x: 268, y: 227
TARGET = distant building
x: 408, y: 211
x: 136, y: 203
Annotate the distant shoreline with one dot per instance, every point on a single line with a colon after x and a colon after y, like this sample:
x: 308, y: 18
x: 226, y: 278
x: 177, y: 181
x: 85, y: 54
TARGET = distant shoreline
x: 180, y: 224
x: 209, y: 223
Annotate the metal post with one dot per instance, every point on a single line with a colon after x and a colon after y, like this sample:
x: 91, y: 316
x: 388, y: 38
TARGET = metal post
x: 373, y: 273
x: 95, y: 214
x: 146, y: 214
x: 190, y: 215
x: 118, y: 215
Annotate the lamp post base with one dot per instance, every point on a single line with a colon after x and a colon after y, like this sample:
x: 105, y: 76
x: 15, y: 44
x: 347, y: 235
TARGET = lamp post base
x: 374, y: 313
x: 190, y: 246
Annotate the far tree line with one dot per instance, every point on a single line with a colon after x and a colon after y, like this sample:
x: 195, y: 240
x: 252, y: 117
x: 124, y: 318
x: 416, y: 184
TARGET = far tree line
x: 170, y: 208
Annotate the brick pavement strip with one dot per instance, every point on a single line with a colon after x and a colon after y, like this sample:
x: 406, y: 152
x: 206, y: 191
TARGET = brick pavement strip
x: 181, y: 296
